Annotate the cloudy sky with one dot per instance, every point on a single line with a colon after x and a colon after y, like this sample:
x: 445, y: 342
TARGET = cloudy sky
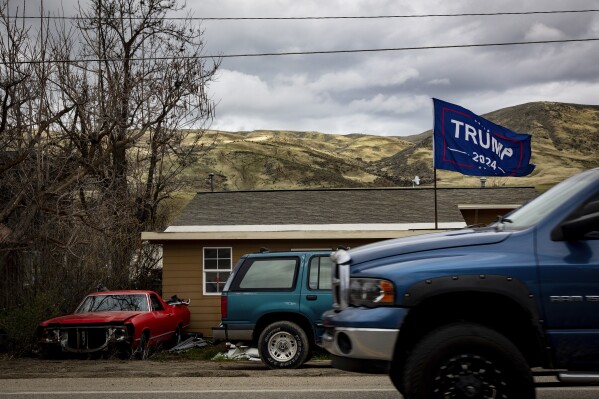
x: 389, y: 93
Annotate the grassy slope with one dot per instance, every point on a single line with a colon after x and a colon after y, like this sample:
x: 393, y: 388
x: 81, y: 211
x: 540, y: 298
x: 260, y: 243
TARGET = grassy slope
x: 565, y: 140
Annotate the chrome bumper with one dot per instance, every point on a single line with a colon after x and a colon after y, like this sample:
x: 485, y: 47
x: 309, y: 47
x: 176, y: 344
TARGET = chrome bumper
x: 361, y: 343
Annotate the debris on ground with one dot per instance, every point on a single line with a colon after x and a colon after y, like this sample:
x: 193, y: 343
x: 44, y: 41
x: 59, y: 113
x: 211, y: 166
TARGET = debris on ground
x: 189, y: 343
x: 238, y: 352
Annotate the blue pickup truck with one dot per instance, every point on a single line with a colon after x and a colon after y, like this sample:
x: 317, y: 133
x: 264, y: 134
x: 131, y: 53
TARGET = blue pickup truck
x: 275, y: 300
x: 468, y: 313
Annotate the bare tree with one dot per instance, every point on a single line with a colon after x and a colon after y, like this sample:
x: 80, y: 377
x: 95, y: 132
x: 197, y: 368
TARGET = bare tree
x: 97, y: 121
x: 152, y: 83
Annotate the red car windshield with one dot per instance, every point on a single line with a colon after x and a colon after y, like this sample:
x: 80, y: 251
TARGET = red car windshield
x: 107, y: 303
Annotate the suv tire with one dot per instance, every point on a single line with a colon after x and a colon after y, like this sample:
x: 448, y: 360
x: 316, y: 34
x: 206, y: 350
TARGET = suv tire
x: 466, y: 360
x: 283, y: 345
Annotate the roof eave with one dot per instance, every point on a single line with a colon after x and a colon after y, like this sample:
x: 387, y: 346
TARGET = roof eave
x: 380, y: 234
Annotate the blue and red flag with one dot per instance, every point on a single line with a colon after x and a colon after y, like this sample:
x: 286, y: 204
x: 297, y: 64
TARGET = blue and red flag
x: 467, y: 143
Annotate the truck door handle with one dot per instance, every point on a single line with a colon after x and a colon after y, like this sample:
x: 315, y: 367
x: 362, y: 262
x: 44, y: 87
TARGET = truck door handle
x: 311, y: 297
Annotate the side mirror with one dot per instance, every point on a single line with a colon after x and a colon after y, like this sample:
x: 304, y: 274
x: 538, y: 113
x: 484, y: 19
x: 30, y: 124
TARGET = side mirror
x: 577, y: 229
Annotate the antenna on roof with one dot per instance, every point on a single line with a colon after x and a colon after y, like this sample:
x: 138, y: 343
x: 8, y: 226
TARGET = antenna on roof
x: 101, y: 287
x: 415, y: 181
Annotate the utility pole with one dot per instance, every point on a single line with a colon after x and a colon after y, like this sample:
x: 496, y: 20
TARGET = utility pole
x: 211, y: 178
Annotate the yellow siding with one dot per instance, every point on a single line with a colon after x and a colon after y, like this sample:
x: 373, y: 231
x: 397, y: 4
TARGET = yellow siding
x: 182, y: 272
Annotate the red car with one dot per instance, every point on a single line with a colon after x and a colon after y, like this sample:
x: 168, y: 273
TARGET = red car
x: 127, y: 321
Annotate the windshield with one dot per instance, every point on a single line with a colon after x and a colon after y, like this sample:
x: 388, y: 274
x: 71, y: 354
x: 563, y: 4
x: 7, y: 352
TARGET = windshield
x: 106, y: 303
x: 533, y: 212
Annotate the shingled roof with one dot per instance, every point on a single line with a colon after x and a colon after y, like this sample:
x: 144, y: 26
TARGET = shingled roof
x: 340, y: 206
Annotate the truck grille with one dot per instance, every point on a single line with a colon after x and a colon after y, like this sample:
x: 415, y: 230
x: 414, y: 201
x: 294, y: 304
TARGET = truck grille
x: 335, y: 285
x: 340, y: 285
x: 86, y: 339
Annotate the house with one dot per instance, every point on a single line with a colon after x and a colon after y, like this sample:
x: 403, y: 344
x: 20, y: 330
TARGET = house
x: 202, y: 246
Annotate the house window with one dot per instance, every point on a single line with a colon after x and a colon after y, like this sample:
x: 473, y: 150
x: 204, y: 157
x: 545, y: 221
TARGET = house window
x: 217, y: 268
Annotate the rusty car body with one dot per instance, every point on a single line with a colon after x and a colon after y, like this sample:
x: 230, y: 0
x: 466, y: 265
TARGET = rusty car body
x: 130, y: 322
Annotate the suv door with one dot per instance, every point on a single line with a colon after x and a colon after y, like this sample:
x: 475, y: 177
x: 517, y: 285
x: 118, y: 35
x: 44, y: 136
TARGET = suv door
x: 316, y: 295
x: 262, y: 285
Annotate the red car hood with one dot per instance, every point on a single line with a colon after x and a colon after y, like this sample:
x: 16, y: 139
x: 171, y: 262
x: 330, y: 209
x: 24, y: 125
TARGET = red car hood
x: 92, y: 318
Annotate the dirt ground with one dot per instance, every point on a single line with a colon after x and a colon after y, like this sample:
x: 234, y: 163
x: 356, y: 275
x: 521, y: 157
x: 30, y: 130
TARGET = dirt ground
x: 71, y: 368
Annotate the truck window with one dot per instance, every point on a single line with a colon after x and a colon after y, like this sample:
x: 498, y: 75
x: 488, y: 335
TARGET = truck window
x: 270, y: 274
x: 534, y: 211
x: 320, y: 273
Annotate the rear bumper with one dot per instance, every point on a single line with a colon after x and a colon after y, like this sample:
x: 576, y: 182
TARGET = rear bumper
x: 233, y: 332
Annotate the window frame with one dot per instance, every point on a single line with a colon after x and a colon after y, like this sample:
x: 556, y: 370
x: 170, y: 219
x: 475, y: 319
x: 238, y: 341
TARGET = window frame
x: 245, y: 267
x: 204, y: 270
x: 309, y: 271
x: 156, y: 305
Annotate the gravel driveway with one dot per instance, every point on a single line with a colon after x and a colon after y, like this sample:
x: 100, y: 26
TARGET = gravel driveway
x: 39, y: 368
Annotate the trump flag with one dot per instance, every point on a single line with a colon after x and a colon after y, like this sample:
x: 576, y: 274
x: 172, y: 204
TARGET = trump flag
x: 466, y: 143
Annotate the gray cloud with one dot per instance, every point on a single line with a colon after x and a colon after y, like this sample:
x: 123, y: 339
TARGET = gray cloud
x: 388, y: 93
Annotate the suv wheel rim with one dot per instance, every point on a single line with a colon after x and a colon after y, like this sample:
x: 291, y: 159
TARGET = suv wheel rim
x: 282, y: 346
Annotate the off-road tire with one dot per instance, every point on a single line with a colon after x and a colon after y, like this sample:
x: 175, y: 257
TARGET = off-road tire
x: 283, y: 345
x: 466, y: 360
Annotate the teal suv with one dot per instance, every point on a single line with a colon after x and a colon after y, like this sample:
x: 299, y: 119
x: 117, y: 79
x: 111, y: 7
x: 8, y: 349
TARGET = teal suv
x: 275, y: 301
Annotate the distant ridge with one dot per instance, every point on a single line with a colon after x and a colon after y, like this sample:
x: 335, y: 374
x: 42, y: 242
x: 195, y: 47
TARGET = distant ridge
x: 565, y: 141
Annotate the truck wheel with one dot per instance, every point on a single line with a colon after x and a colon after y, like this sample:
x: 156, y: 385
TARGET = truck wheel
x: 466, y: 360
x: 177, y: 337
x: 283, y: 345
x: 143, y: 347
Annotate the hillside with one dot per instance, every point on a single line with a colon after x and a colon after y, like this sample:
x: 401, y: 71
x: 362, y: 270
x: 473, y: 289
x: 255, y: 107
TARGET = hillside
x: 565, y: 140
x: 285, y: 159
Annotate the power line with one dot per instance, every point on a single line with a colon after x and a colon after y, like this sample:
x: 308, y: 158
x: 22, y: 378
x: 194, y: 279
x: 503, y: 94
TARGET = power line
x: 400, y: 16
x: 404, y: 48
x: 451, y: 46
x: 478, y: 14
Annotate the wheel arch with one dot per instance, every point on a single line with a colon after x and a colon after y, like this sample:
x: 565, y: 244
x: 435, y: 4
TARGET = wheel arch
x: 501, y: 303
x: 146, y: 331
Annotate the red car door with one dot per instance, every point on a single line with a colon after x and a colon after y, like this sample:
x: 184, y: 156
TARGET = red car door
x: 162, y: 320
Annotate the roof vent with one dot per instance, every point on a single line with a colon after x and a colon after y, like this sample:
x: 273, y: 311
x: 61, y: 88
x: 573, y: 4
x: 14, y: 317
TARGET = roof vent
x: 415, y: 181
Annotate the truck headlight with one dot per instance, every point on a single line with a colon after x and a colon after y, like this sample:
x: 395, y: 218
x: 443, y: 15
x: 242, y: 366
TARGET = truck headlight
x: 50, y: 335
x: 118, y: 333
x: 371, y: 292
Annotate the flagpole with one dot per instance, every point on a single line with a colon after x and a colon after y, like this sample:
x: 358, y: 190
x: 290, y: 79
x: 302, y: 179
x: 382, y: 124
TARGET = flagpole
x: 435, y: 171
x: 435, y: 191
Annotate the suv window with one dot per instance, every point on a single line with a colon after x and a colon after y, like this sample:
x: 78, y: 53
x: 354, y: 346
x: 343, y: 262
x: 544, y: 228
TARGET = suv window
x: 268, y: 274
x: 320, y: 273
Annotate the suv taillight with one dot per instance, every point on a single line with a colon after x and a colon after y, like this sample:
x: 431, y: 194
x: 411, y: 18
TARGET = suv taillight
x: 223, y: 306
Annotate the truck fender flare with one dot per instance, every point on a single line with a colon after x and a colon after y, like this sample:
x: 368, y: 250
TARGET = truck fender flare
x: 505, y: 286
